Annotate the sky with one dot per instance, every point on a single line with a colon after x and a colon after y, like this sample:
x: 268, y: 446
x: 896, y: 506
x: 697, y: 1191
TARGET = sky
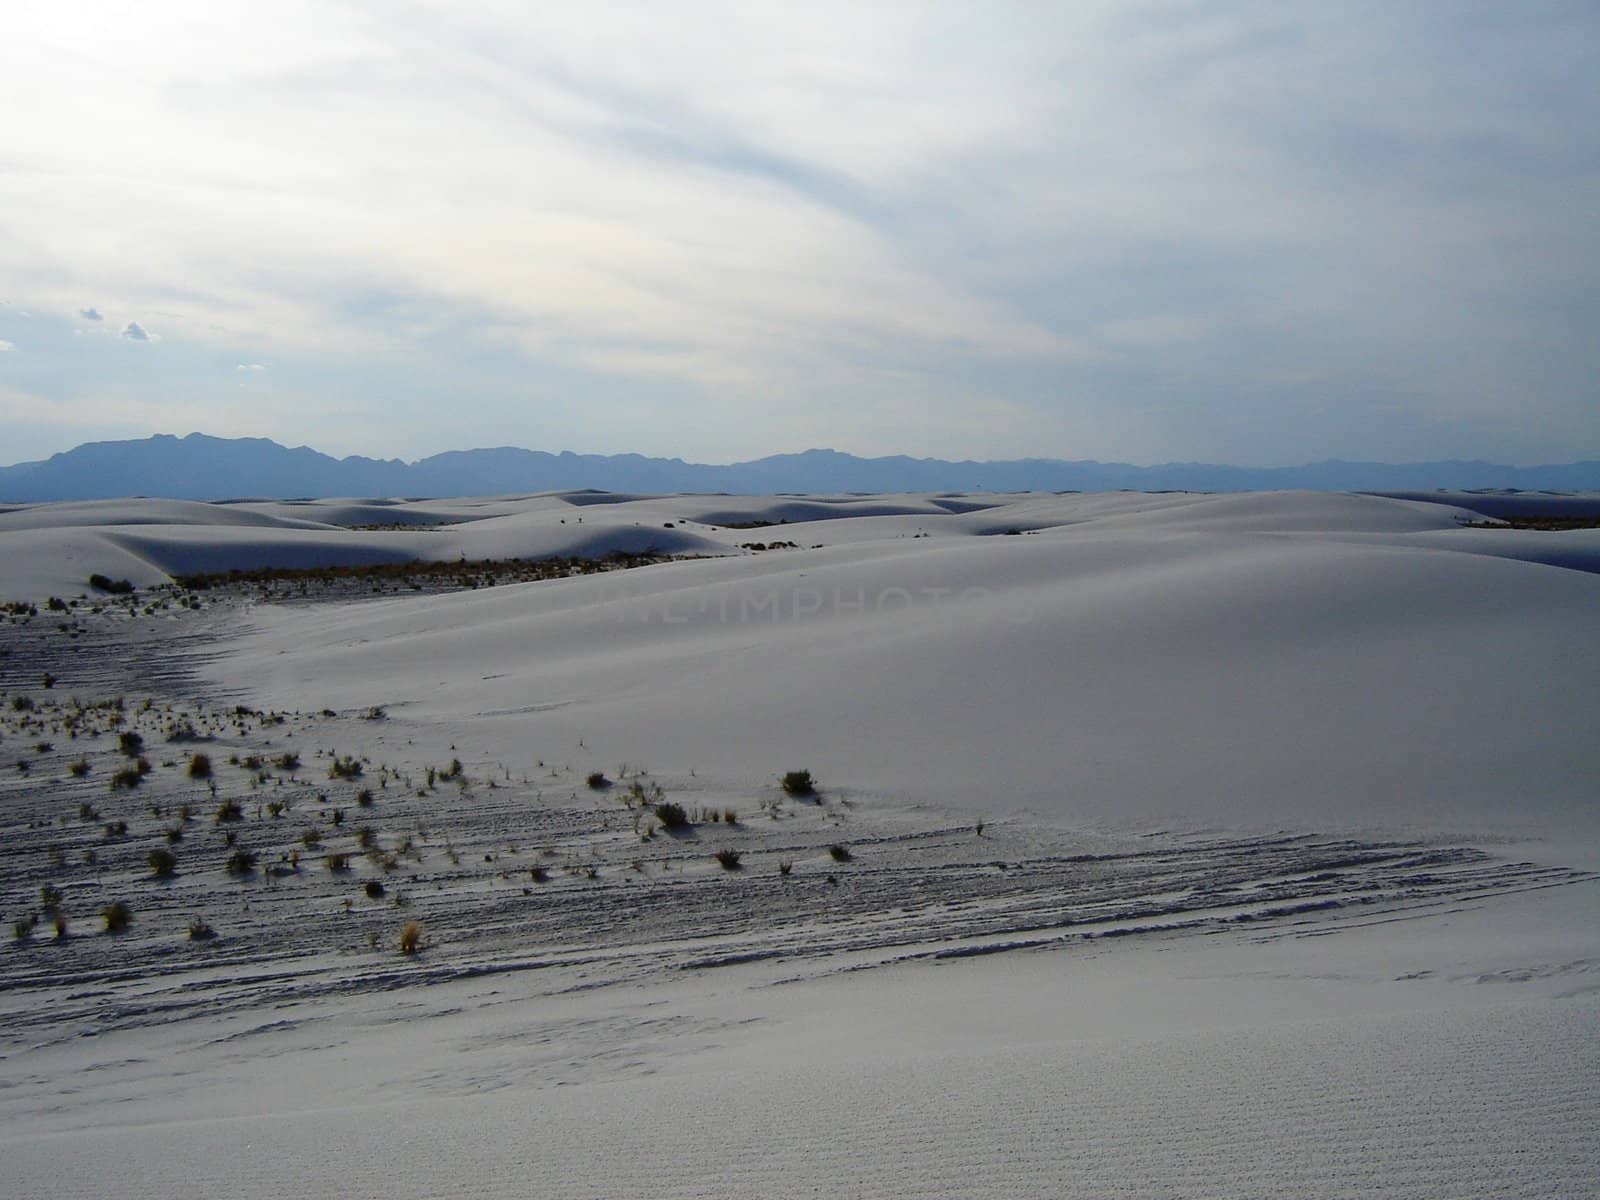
x: 1254, y: 233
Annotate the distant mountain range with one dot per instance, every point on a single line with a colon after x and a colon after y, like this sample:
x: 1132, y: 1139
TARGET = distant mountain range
x: 199, y: 467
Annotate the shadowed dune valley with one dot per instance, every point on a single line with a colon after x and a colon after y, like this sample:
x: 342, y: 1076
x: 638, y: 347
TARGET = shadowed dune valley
x: 594, y: 844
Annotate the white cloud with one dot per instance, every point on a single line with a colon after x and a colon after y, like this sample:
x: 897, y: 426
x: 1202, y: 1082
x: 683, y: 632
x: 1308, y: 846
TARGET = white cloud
x: 90, y: 314
x: 251, y: 367
x: 135, y: 332
x: 6, y: 346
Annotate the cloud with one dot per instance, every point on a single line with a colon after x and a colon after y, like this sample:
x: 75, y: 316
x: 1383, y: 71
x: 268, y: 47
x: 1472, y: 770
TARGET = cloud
x: 90, y: 314
x: 251, y: 367
x: 5, y: 346
x: 135, y: 332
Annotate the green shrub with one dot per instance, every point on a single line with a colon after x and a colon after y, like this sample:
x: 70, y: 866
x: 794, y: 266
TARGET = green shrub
x: 241, y: 861
x: 671, y: 815
x: 79, y: 769
x: 163, y: 862
x: 344, y: 768
x: 799, y: 783
x: 117, y: 587
x: 117, y: 916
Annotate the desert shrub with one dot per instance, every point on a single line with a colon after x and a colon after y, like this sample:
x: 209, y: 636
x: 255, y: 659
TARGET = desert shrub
x: 287, y: 762
x: 597, y: 780
x: 142, y: 765
x: 200, y: 767
x: 22, y: 703
x: 729, y: 859
x: 311, y: 839
x: 228, y: 810
x: 364, y: 797
x: 538, y: 874
x: 103, y: 583
x: 56, y: 604
x: 174, y: 833
x: 117, y: 916
x: 88, y: 812
x: 373, y: 889
x: 163, y: 862
x: 799, y: 783
x: 130, y: 743
x: 840, y: 853
x: 252, y: 762
x: 50, y: 898
x: 411, y: 937
x: 115, y: 829
x: 79, y: 769
x: 671, y: 815
x: 730, y: 817
x: 365, y: 838
x: 785, y: 866
x: 344, y: 768
x: 338, y: 861
x: 199, y: 931
x: 241, y: 861
x: 58, y: 922
x: 22, y: 928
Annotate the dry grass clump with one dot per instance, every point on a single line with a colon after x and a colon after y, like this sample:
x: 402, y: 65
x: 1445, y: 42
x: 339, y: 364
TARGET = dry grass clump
x: 729, y: 859
x: 200, y: 766
x: 228, y: 810
x: 672, y: 816
x: 411, y: 937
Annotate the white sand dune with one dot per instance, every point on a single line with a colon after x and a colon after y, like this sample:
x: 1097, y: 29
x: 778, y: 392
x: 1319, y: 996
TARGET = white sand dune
x: 1289, y: 882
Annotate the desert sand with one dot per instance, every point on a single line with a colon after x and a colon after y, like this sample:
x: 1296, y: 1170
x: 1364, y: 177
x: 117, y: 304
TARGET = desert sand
x: 1160, y: 845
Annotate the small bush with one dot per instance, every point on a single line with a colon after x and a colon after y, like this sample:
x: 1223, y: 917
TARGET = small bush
x: 131, y: 744
x: 729, y: 859
x: 374, y: 890
x: 344, y: 768
x: 200, y: 767
x: 241, y: 861
x: 338, y: 862
x: 799, y: 783
x: 128, y: 777
x: 22, y: 928
x: 364, y: 798
x: 199, y: 931
x: 411, y: 937
x: 597, y: 780
x: 117, y: 587
x: 163, y: 862
x: 840, y: 853
x: 785, y: 866
x: 117, y: 916
x: 287, y: 762
x: 228, y: 810
x: 79, y: 769
x: 672, y: 816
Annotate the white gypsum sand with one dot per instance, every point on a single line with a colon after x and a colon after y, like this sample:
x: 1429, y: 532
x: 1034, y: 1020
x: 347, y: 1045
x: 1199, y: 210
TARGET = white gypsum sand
x: 1162, y: 845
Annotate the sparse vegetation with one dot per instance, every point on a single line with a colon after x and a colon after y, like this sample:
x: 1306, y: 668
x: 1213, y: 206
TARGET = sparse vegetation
x: 79, y: 769
x: 227, y: 811
x: 200, y: 766
x: 130, y: 743
x: 163, y: 862
x: 199, y: 931
x: 729, y: 859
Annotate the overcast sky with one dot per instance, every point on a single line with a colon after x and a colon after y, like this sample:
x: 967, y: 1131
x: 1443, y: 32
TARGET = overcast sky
x: 1258, y: 233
